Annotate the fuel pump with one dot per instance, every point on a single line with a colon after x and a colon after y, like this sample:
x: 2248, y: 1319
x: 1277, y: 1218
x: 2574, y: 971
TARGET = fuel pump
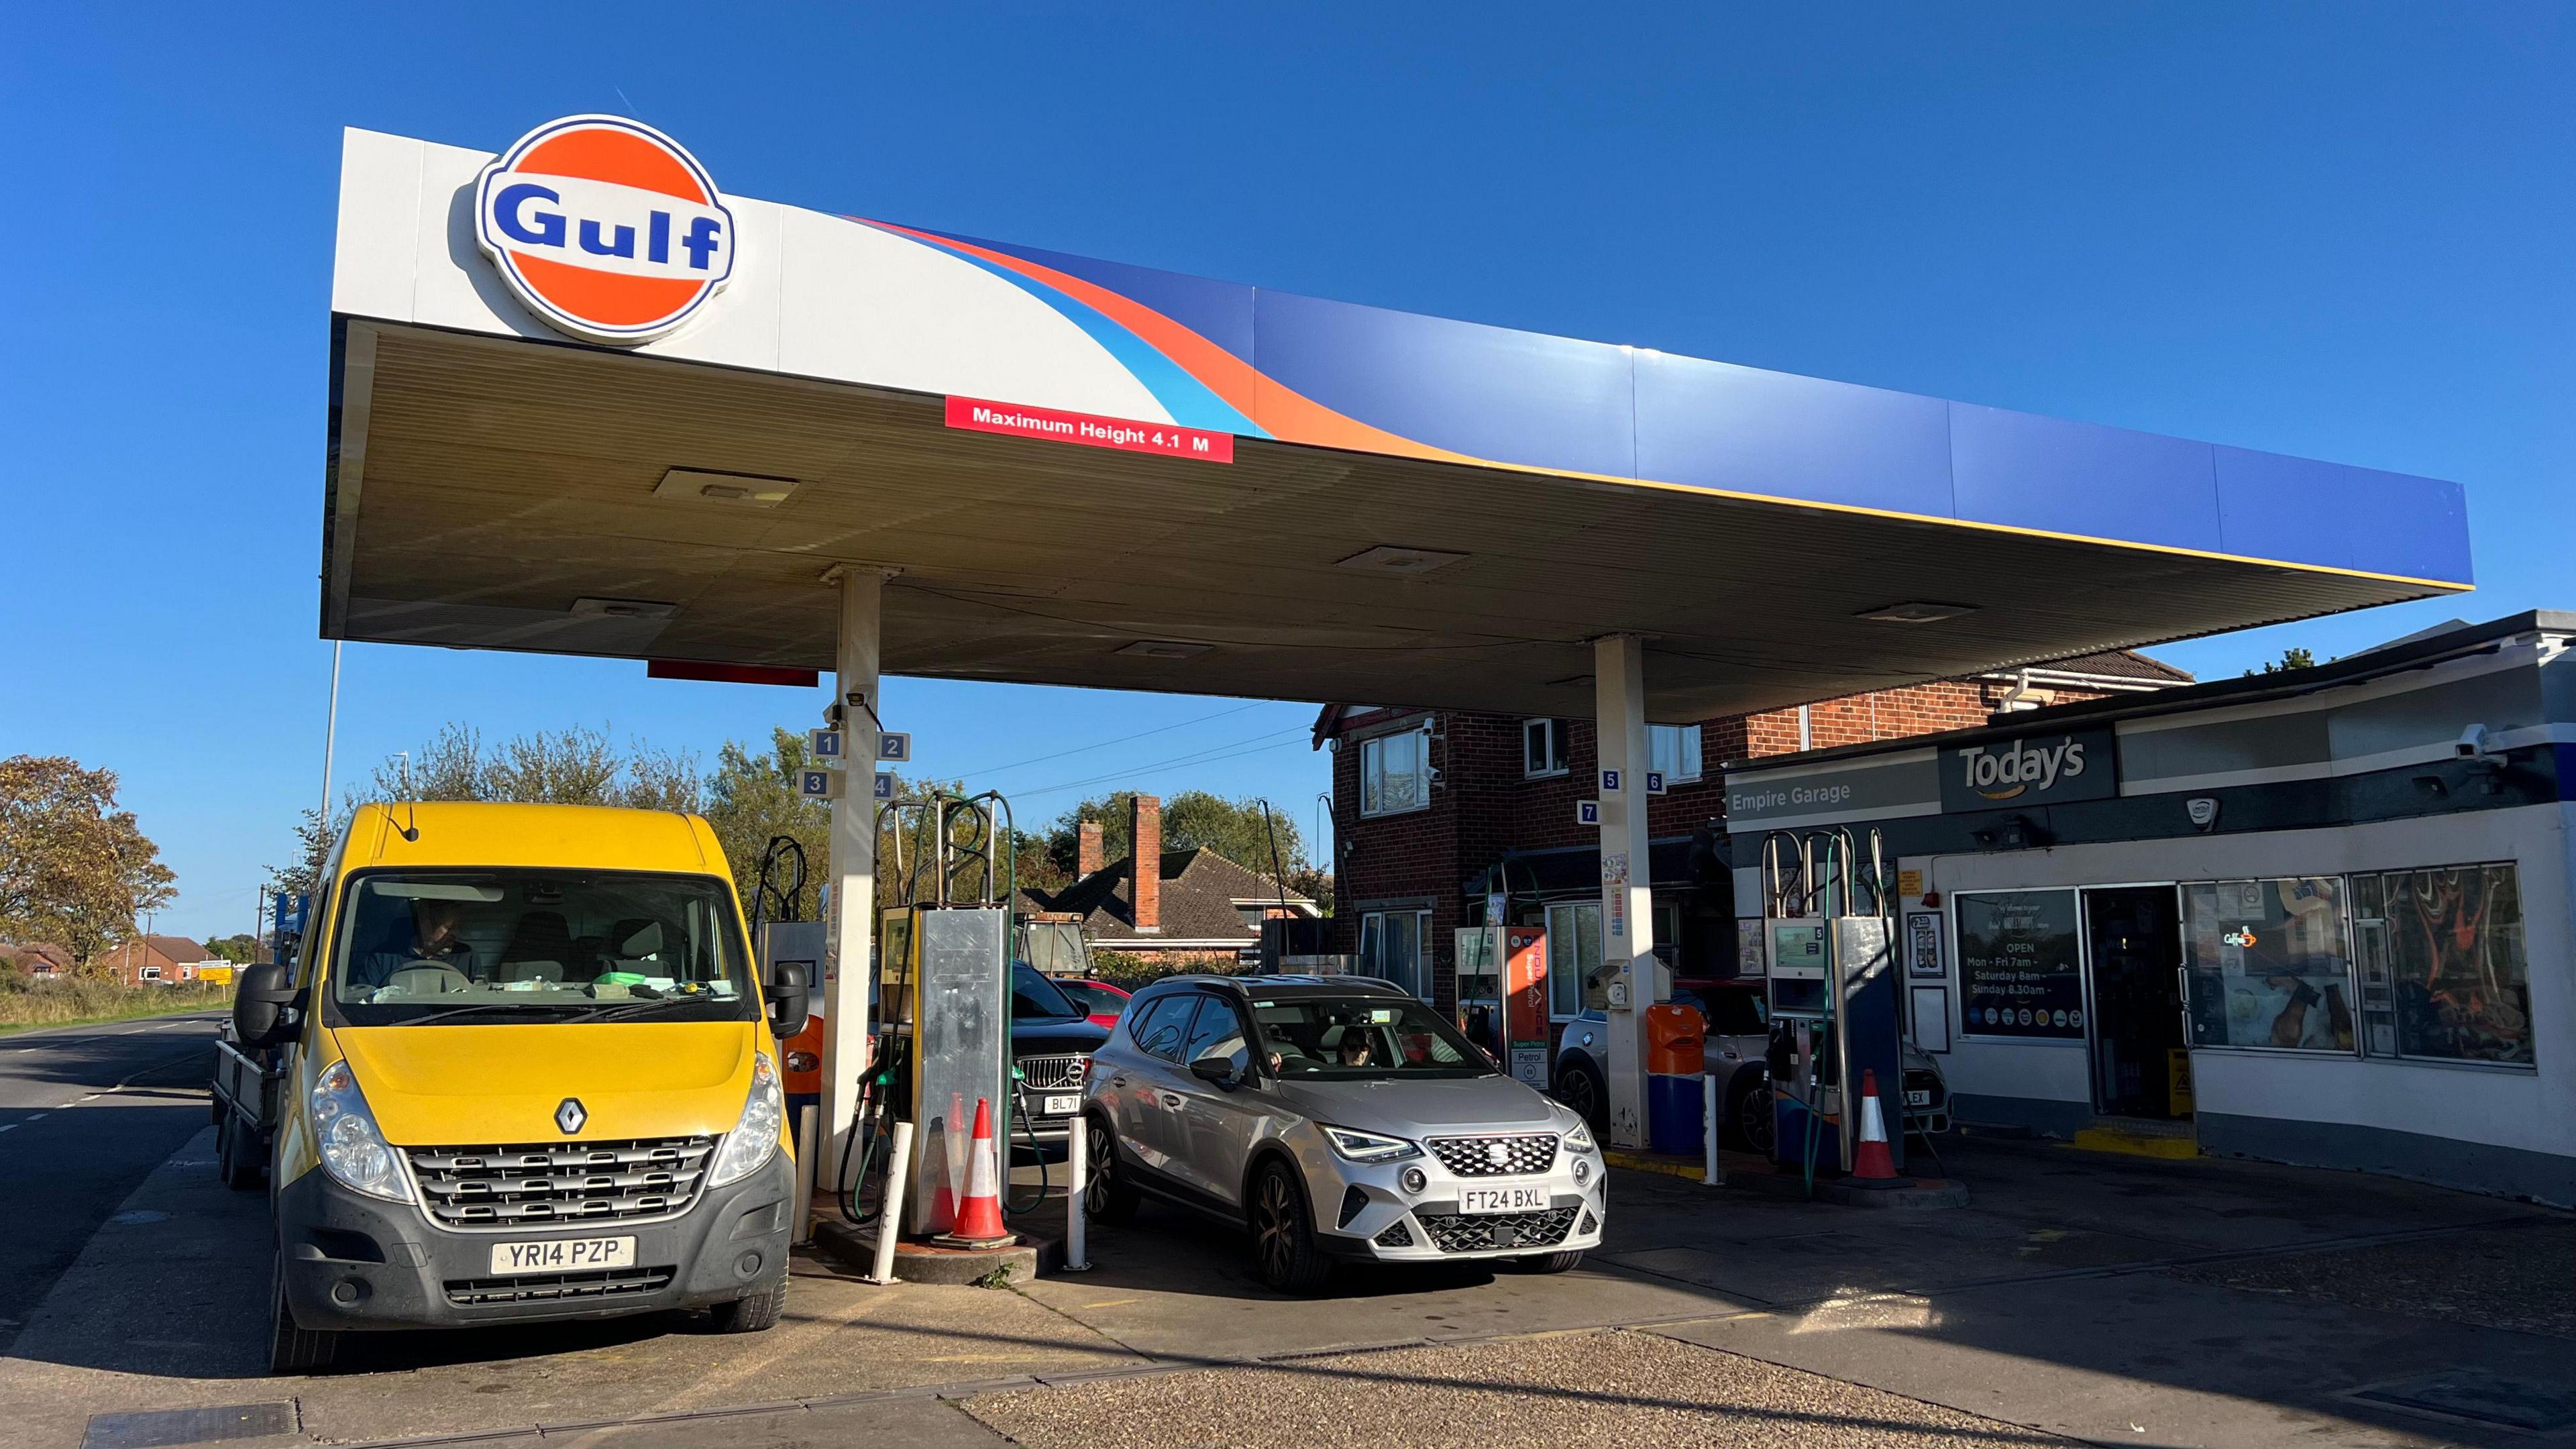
x: 1826, y: 937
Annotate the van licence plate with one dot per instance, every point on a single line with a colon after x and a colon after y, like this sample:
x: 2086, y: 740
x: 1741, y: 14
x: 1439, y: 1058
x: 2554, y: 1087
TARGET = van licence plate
x: 564, y: 1255
x: 1060, y: 1106
x: 1502, y: 1200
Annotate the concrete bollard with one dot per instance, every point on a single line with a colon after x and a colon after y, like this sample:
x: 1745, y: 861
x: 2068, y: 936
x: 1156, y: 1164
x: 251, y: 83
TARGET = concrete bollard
x: 1709, y: 1172
x: 1077, y: 1182
x: 890, y: 1212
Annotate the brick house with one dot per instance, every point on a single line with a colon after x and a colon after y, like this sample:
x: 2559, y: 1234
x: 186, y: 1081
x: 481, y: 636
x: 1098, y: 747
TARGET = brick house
x: 1183, y: 910
x: 36, y: 960
x: 1433, y: 811
x: 157, y: 960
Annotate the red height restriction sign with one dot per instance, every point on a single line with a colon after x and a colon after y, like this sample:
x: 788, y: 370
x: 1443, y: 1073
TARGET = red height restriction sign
x: 1125, y: 434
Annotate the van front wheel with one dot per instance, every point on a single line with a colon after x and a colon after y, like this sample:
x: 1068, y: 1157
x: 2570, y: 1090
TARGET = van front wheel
x: 294, y: 1350
x: 755, y: 1314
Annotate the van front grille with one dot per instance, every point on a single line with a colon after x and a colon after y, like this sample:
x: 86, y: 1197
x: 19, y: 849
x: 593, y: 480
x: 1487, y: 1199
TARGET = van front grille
x: 549, y: 1287
x: 568, y: 1182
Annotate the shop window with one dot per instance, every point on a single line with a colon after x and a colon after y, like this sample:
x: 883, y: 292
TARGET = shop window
x: 2021, y: 971
x: 1573, y: 955
x: 1394, y: 946
x: 1395, y: 772
x: 2443, y: 974
x: 1543, y: 748
x: 1674, y: 750
x: 2268, y: 964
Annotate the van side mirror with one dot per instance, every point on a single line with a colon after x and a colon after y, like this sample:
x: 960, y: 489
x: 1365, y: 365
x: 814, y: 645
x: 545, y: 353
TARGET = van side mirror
x: 263, y: 1006
x: 791, y: 995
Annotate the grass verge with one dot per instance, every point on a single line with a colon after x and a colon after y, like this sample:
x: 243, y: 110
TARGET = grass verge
x: 35, y: 1007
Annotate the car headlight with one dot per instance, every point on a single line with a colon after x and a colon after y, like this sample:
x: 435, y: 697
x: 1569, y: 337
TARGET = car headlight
x: 748, y: 1146
x: 1580, y: 1139
x: 353, y: 1151
x: 1356, y: 1146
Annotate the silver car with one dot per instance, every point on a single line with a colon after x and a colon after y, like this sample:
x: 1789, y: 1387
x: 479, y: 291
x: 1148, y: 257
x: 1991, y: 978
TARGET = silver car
x: 1337, y: 1118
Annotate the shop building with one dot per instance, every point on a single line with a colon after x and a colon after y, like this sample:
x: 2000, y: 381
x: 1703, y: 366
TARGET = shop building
x: 2319, y: 917
x: 1436, y: 812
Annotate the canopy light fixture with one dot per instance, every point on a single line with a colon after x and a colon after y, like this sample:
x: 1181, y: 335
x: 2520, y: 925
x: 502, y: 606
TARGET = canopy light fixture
x: 1387, y: 558
x: 590, y: 608
x: 1165, y: 649
x: 741, y: 490
x: 1917, y: 612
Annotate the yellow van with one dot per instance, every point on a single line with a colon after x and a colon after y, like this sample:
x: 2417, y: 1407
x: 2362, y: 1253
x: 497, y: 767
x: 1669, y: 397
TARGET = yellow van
x: 527, y: 1073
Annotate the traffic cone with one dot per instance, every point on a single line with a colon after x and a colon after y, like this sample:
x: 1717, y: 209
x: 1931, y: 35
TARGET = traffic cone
x: 1871, y: 1164
x: 979, y: 1217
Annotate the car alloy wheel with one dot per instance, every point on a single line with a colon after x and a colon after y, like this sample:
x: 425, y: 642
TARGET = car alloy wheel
x: 1100, y: 1149
x: 1581, y: 1091
x: 1753, y: 1118
x: 1274, y: 1228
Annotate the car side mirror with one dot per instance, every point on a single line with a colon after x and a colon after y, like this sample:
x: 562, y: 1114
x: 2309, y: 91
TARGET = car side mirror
x: 263, y: 1006
x: 791, y: 996
x: 1216, y: 1070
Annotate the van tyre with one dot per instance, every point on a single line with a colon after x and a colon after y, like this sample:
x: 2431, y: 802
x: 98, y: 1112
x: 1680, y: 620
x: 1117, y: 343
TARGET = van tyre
x: 1547, y: 1263
x: 1283, y: 1233
x: 292, y: 1349
x: 1107, y: 1196
x: 755, y: 1314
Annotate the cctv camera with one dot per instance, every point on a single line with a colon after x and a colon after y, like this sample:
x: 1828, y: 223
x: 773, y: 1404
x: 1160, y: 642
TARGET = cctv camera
x: 2472, y: 742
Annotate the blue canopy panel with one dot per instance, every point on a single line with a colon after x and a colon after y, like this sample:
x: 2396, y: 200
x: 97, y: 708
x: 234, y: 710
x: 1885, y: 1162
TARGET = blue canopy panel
x: 1298, y: 369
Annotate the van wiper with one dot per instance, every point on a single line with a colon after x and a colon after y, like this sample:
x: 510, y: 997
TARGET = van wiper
x: 624, y: 1009
x: 452, y: 1013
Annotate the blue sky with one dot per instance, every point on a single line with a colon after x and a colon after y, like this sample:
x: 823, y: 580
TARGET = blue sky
x: 2340, y: 230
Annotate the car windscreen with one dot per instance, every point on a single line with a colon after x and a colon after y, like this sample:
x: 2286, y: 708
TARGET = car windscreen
x: 1359, y: 1038
x: 1032, y: 995
x: 535, y: 945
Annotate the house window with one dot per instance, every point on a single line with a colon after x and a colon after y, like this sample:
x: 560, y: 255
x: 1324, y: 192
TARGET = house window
x: 1395, y: 946
x: 147, y: 973
x: 1573, y: 954
x: 1543, y: 748
x: 1395, y: 772
x: 1673, y: 750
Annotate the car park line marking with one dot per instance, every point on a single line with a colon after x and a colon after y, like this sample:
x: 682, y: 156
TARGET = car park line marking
x: 1113, y: 1302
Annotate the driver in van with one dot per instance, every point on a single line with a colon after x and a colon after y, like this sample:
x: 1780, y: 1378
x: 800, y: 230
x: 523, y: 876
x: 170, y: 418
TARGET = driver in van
x: 434, y: 939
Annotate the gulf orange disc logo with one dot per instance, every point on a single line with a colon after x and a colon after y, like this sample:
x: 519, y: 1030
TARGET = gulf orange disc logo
x: 605, y: 227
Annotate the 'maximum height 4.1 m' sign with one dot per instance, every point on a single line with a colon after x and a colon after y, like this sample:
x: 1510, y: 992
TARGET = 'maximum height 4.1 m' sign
x: 2049, y: 768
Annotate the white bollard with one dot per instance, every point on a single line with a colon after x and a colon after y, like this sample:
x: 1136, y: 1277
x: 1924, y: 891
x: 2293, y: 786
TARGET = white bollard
x: 806, y: 1167
x: 1709, y: 1173
x: 1077, y: 1258
x: 890, y: 1212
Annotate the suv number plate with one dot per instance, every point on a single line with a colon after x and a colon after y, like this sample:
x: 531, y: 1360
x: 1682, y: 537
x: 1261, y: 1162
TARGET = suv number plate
x: 1502, y: 1200
x: 1059, y: 1106
x: 564, y: 1255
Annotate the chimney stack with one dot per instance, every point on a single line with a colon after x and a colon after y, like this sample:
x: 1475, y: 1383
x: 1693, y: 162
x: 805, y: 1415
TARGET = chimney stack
x: 1146, y: 834
x: 1087, y: 850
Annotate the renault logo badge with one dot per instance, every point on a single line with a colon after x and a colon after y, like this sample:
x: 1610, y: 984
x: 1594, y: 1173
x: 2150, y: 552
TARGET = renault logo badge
x: 570, y: 1115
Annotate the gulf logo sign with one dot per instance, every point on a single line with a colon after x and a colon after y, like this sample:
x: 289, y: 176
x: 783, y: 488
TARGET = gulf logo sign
x: 605, y: 227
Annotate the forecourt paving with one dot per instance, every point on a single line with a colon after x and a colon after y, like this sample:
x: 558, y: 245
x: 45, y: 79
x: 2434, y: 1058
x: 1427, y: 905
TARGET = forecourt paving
x: 2078, y: 1296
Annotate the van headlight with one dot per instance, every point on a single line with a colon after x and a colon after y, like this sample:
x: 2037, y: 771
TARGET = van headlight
x: 747, y: 1148
x: 1357, y: 1146
x: 353, y: 1151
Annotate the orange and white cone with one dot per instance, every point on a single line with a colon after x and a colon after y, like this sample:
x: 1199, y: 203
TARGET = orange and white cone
x: 1870, y: 1159
x: 979, y: 1216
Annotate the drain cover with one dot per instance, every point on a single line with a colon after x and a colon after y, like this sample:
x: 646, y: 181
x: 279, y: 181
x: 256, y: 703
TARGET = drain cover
x: 189, y: 1426
x: 2481, y: 1397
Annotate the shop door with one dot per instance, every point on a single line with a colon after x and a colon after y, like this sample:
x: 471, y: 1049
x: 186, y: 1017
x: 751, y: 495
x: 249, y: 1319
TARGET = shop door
x: 2134, y: 941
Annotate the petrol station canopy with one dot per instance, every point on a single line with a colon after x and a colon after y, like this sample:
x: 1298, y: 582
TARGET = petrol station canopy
x: 1080, y: 472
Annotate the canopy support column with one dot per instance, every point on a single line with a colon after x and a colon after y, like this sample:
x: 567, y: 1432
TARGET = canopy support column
x: 851, y: 925
x: 1627, y: 901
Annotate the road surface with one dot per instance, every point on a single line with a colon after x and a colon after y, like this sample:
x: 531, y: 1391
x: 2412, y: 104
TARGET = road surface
x: 86, y: 1113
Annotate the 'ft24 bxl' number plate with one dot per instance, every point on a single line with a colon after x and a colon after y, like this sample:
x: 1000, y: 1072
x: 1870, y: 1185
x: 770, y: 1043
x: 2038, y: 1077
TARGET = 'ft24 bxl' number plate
x: 1502, y: 1200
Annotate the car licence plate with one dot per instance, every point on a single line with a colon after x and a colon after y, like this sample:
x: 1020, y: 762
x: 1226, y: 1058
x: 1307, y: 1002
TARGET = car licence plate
x: 1919, y: 1099
x: 1502, y: 1200
x: 1059, y: 1106
x: 565, y: 1255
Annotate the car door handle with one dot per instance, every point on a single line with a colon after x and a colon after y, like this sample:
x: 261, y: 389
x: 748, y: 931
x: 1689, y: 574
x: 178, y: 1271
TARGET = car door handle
x: 1118, y: 1081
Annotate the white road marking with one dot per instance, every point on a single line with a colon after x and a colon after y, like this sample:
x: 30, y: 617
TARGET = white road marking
x: 39, y: 1117
x: 12, y: 1127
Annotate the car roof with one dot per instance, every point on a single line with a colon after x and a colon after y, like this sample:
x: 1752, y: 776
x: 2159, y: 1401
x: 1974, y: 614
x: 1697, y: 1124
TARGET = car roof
x: 1283, y: 987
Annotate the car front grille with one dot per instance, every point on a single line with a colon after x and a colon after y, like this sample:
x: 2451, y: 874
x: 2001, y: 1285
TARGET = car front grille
x: 570, y: 1182
x: 1522, y: 1155
x: 548, y: 1287
x: 1054, y: 1074
x: 1481, y: 1232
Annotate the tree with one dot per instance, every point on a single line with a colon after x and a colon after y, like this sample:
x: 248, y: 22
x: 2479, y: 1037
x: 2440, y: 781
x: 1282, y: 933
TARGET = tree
x: 574, y: 766
x: 1239, y: 830
x: 239, y: 949
x: 2291, y: 658
x: 74, y: 868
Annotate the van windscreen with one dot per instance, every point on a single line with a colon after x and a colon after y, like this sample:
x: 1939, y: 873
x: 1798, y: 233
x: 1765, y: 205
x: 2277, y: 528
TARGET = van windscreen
x: 486, y: 946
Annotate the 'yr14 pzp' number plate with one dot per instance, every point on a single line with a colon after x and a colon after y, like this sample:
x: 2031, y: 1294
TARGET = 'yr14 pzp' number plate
x: 568, y: 1255
x: 1502, y: 1200
x: 1060, y: 1106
